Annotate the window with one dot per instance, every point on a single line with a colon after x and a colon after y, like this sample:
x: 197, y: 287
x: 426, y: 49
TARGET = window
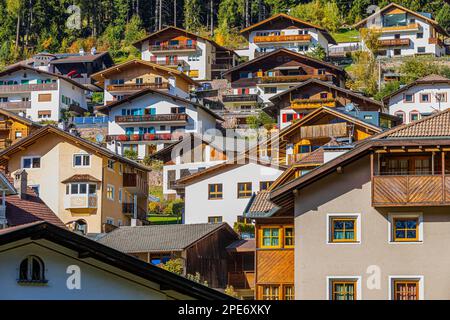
x: 110, y: 164
x: 406, y: 229
x: 343, y: 290
x: 18, y: 134
x: 81, y: 160
x: 45, y: 97
x: 420, y: 35
x: 289, y: 237
x: 289, y: 293
x: 120, y: 168
x: 31, y: 162
x: 120, y: 195
x: 270, y: 292
x: 414, y: 116
x: 159, y: 258
x: 244, y: 190
x: 270, y: 238
x: 408, y: 97
x: 401, y: 115
x: 343, y: 229
x: 425, y: 97
x: 110, y: 221
x: 265, y: 185
x: 420, y: 49
x: 139, y: 81
x: 215, y: 219
x: 215, y: 191
x: 441, y: 97
x: 81, y: 188
x: 270, y: 90
x: 32, y: 270
x: 110, y: 192
x: 407, y: 289
x: 397, y: 52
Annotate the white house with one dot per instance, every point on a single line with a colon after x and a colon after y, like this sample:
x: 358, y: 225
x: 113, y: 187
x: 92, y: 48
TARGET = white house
x: 40, y: 261
x: 284, y: 31
x: 221, y: 193
x: 420, y: 98
x: 405, y: 32
x: 198, y: 57
x: 149, y: 120
x: 40, y: 95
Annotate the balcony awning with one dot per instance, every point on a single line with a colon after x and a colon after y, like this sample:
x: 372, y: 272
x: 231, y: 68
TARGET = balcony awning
x: 81, y: 178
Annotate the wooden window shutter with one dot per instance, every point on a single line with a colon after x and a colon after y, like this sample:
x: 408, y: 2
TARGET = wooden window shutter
x: 45, y: 97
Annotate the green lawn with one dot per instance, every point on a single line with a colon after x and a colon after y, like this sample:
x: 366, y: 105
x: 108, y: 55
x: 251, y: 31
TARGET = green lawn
x: 346, y: 35
x: 155, y: 219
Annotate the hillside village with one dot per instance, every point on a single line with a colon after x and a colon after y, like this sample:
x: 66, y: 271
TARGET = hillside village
x: 280, y: 170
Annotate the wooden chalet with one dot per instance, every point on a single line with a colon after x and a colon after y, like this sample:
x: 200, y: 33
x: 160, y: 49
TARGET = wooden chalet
x: 13, y: 127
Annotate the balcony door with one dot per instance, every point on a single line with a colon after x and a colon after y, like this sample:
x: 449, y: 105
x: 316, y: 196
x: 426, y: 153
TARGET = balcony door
x: 415, y: 165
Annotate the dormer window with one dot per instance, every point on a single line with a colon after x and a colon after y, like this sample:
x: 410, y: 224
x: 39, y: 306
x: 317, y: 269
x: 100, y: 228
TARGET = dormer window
x: 32, y: 270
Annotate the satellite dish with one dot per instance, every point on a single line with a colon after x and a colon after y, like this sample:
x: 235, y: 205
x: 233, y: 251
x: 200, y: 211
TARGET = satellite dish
x: 99, y: 138
x: 350, y: 107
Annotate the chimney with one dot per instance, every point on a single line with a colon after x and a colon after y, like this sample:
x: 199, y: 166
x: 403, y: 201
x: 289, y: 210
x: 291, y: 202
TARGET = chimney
x: 81, y: 52
x: 20, y: 183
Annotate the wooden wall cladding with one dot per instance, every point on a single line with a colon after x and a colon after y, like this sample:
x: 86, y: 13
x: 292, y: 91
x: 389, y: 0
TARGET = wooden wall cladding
x: 275, y: 266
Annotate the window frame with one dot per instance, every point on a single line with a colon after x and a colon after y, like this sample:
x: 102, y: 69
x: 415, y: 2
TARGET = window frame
x: 218, y: 195
x: 113, y: 192
x: 330, y: 228
x: 245, y: 194
x: 215, y: 219
x: 31, y: 157
x: 405, y: 215
x: 409, y: 94
x: 343, y: 219
x: 418, y: 279
x: 269, y: 184
x: 331, y: 280
x: 396, y: 113
x: 414, y: 112
x: 421, y: 98
x: 280, y: 238
x: 82, y: 155
x: 406, y: 229
x: 292, y: 237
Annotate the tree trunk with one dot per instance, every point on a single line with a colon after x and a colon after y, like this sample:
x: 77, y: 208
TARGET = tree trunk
x: 17, y: 30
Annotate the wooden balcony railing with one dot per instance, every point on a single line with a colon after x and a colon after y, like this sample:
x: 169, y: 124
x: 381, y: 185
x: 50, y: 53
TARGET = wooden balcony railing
x: 5, y: 125
x: 394, y: 42
x: 135, y: 183
x: 128, y: 209
x: 19, y: 105
x: 28, y: 87
x: 241, y: 279
x: 297, y: 78
x: 141, y: 137
x: 436, y: 41
x: 181, y: 117
x: 283, y: 38
x: 240, y: 97
x: 412, y: 26
x: 178, y: 47
x: 129, y: 180
x: 137, y: 87
x: 410, y: 190
x: 312, y: 103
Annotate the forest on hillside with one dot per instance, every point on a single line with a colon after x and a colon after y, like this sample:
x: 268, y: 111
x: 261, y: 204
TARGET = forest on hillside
x: 30, y: 26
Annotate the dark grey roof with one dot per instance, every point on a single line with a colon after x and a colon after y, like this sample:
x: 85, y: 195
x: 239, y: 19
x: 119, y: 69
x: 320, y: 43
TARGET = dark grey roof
x: 158, y: 238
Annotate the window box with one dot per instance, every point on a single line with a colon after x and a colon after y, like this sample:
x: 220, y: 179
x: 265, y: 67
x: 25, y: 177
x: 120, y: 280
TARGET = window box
x: 122, y: 137
x: 135, y: 137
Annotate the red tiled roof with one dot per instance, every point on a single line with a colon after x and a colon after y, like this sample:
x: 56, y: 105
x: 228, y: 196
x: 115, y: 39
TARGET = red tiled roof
x: 30, y: 209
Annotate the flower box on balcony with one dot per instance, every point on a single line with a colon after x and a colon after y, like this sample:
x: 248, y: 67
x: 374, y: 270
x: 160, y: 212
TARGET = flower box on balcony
x: 135, y: 137
x: 165, y: 136
x: 122, y: 137
x: 149, y: 136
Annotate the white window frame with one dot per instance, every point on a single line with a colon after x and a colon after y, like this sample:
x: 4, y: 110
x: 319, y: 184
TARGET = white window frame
x: 109, y: 219
x: 344, y: 215
x: 82, y: 160
x: 358, y: 280
x: 392, y: 215
x: 113, y: 192
x: 419, y: 278
x: 31, y: 157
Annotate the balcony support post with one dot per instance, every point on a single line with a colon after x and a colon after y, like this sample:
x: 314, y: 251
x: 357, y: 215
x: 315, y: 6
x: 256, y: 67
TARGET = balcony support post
x: 372, y: 174
x: 443, y: 175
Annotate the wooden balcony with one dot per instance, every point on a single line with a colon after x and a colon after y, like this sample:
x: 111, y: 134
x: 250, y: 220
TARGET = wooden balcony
x: 412, y: 26
x: 410, y: 190
x: 5, y: 125
x: 394, y: 42
x: 137, y: 87
x: 312, y: 103
x: 135, y: 183
x: 240, y: 98
x: 173, y: 118
x: 241, y: 279
x: 282, y: 38
x: 296, y: 78
x: 80, y: 201
x: 179, y: 47
x: 437, y: 41
x: 141, y: 137
x: 20, y: 88
x: 19, y: 105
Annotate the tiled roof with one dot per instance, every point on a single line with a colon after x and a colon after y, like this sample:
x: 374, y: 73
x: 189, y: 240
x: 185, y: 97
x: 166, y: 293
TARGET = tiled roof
x: 315, y: 157
x: 433, y: 77
x: 260, y: 205
x: 243, y: 245
x: 81, y: 178
x: 436, y: 125
x: 30, y: 209
x: 156, y: 238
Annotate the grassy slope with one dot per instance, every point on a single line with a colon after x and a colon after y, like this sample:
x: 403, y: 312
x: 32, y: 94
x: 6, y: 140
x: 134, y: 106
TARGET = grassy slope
x: 346, y: 35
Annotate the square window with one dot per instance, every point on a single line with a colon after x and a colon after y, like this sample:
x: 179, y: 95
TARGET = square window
x: 215, y: 191
x: 289, y: 237
x: 215, y: 219
x: 81, y: 160
x: 420, y: 35
x: 409, y: 97
x: 425, y: 97
x: 244, y: 190
x: 31, y: 162
x: 265, y: 185
x: 405, y: 289
x: 271, y: 292
x: 270, y: 238
x: 405, y: 229
x: 343, y: 290
x: 343, y: 229
x: 420, y: 49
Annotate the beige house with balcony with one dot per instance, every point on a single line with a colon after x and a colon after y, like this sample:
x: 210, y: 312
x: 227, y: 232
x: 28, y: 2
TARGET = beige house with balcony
x: 90, y: 188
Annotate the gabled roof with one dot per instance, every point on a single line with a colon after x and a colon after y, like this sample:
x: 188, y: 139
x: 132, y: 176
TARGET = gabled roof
x: 161, y: 238
x: 44, y: 131
x: 78, y: 58
x: 328, y: 85
x: 101, y: 75
x: 290, y: 20
x: 81, y: 178
x: 146, y: 91
x: 138, y: 43
x: 95, y: 250
x: 430, y: 79
x: 395, y: 5
x: 17, y: 67
x: 260, y: 206
x: 288, y: 52
x: 20, y: 119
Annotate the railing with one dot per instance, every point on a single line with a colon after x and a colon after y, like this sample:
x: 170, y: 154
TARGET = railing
x: 283, y: 38
x: 28, y: 87
x: 89, y: 120
x: 312, y: 103
x: 410, y: 190
x: 394, y: 42
x: 297, y: 78
x: 135, y: 183
x: 133, y: 87
x: 141, y: 137
x: 342, y: 51
x: 412, y: 26
x: 173, y: 47
x: 241, y: 279
x: 240, y: 97
x: 19, y: 105
x: 80, y: 201
x: 220, y: 66
x: 436, y: 41
x: 153, y: 118
x: 170, y: 63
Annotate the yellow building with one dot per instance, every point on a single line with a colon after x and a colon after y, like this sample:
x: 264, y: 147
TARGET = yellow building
x: 14, y: 127
x: 90, y: 188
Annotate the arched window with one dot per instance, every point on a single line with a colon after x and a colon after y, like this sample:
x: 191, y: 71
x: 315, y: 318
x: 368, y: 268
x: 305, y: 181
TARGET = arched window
x: 32, y: 270
x: 414, y: 116
x: 401, y: 115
